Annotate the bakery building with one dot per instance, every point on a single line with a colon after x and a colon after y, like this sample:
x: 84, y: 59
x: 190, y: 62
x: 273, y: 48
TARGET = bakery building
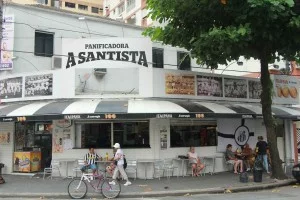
x: 113, y: 85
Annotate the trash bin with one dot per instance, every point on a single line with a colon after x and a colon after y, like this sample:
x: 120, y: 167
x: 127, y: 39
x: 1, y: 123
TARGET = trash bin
x: 1, y: 166
x: 258, y: 170
x: 296, y: 172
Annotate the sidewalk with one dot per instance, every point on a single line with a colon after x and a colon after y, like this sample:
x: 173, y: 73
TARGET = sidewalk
x: 36, y: 187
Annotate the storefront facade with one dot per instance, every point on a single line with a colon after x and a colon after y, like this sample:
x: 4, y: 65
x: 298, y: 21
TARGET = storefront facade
x: 107, y: 90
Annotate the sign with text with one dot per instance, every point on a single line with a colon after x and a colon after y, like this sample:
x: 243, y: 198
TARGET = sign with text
x: 286, y: 89
x: 235, y: 88
x: 11, y: 88
x: 110, y: 52
x: 180, y: 84
x: 7, y: 43
x: 209, y: 86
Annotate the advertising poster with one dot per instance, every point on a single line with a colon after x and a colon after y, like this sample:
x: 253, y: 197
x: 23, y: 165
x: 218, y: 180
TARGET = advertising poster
x: 22, y: 161
x: 57, y: 144
x: 7, y: 43
x: 180, y: 84
x: 235, y: 88
x: 100, y: 81
x: 39, y: 85
x: 286, y: 89
x: 209, y: 86
x: 107, y: 52
x: 4, y: 138
x: 254, y: 89
x: 11, y: 88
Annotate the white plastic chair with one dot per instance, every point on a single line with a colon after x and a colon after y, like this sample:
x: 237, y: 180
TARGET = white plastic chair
x: 55, y: 165
x: 158, y: 168
x: 80, y: 164
x: 132, y: 168
x: 169, y: 168
x: 206, y: 166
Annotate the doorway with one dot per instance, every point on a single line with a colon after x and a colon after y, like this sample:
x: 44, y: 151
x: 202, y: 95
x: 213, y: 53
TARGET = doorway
x: 44, y: 141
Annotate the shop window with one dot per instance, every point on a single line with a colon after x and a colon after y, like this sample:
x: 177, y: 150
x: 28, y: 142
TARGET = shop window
x: 69, y: 5
x: 132, y: 134
x: 96, y: 135
x: 158, y: 57
x: 43, y: 44
x: 193, y: 135
x: 183, y: 61
x: 95, y: 10
x: 82, y: 7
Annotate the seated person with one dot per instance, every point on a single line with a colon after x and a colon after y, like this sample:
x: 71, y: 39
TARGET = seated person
x: 230, y: 158
x: 248, y: 156
x: 194, y: 160
x: 90, y: 160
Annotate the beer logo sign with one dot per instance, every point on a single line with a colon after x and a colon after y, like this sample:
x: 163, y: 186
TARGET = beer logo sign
x: 241, y: 135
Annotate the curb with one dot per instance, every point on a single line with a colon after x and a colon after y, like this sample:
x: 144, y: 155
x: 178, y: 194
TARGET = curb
x: 217, y: 190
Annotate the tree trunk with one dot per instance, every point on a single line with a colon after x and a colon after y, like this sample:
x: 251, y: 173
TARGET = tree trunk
x: 266, y: 101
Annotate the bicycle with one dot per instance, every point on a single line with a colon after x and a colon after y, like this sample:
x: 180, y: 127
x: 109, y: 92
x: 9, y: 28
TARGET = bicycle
x: 78, y: 187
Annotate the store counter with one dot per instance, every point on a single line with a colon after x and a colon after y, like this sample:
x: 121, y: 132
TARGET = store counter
x: 27, y: 161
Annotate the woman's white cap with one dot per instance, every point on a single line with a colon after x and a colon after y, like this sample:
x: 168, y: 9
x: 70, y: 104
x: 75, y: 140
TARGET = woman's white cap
x: 117, y: 146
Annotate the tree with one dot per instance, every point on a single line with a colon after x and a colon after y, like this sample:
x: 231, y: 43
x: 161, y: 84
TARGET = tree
x: 219, y: 31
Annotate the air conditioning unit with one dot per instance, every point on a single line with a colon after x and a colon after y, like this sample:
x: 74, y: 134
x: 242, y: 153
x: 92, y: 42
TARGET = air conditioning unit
x: 100, y: 71
x: 56, y: 62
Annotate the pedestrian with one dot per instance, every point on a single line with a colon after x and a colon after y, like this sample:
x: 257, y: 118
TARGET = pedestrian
x: 119, y: 161
x: 261, y: 150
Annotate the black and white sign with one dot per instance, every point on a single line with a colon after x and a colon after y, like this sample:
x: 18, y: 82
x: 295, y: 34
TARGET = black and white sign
x: 254, y: 89
x: 11, y: 88
x: 235, y: 88
x: 39, y: 85
x: 209, y: 86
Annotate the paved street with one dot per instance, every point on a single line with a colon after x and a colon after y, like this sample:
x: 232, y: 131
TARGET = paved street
x: 286, y: 193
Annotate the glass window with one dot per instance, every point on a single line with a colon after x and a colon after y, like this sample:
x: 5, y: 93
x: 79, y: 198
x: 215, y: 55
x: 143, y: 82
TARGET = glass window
x: 158, y: 57
x: 130, y: 5
x: 183, y: 61
x: 43, y: 44
x: 193, y: 135
x: 95, y: 10
x: 96, y: 135
x: 121, y: 8
x: 82, y: 7
x: 69, y: 5
x: 132, y: 134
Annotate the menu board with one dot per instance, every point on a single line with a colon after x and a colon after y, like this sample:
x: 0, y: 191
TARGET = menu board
x: 180, y: 84
x: 209, y: 86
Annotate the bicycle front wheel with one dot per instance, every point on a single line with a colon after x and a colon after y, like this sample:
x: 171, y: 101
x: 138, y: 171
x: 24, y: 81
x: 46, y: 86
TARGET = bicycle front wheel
x: 77, y: 189
x: 110, y: 191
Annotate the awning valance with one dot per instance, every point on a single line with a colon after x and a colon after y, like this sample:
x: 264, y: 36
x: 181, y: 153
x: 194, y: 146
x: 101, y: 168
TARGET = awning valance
x: 118, y: 109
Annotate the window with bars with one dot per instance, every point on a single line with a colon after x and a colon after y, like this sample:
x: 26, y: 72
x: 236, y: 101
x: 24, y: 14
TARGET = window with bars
x: 43, y: 44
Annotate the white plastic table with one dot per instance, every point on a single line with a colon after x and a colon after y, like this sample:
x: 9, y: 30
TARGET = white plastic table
x: 146, y: 162
x: 182, y: 165
x: 213, y: 158
x: 67, y: 161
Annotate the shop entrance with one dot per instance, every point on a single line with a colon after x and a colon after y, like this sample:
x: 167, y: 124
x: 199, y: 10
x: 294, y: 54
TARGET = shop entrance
x: 33, y: 146
x: 45, y: 144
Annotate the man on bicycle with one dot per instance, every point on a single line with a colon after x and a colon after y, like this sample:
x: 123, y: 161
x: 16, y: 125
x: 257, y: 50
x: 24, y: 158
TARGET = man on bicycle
x: 90, y: 160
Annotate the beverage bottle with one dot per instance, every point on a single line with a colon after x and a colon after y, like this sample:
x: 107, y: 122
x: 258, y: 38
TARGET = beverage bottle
x: 106, y: 156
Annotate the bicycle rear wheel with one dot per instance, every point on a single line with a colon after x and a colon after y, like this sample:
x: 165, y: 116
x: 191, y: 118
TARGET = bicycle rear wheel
x: 77, y: 189
x: 110, y: 191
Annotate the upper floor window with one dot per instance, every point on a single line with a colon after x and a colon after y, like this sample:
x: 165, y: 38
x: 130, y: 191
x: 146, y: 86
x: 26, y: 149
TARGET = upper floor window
x: 183, y: 61
x: 69, y: 5
x: 130, y: 5
x: 43, y: 44
x: 82, y: 7
x: 95, y: 10
x: 158, y: 58
x: 121, y: 9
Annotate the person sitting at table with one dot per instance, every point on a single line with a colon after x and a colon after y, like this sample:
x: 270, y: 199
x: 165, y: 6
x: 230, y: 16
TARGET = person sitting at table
x: 231, y: 158
x: 90, y: 160
x: 248, y: 156
x: 195, y: 162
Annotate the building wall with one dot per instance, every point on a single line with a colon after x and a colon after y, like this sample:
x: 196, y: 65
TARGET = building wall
x: 6, y: 150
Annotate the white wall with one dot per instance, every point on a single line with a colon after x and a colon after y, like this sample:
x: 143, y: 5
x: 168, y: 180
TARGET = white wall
x: 6, y: 150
